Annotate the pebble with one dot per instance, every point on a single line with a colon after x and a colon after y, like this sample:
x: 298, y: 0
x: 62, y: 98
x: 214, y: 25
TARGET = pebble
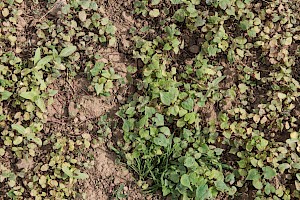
x: 194, y: 49
x: 82, y: 118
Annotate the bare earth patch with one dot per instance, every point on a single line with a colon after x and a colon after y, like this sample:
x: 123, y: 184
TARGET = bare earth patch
x: 74, y: 108
x: 105, y: 177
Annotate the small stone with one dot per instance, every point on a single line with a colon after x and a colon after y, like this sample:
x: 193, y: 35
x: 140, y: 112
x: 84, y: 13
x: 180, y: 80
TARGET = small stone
x: 18, y: 50
x: 120, y: 99
x: 127, y: 18
x: 26, y: 164
x: 115, y: 57
x: 194, y: 49
x: 21, y: 22
x: 126, y: 44
x: 22, y: 39
x: 6, y: 24
x: 104, y: 60
x: 56, y: 11
x: 72, y: 110
x: 138, y: 25
x: 5, y: 12
x: 82, y: 118
x: 117, y: 181
x: 189, y: 61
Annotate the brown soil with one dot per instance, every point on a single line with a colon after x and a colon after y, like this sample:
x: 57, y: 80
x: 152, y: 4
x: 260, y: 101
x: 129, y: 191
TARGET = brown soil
x: 75, y: 107
x: 106, y: 177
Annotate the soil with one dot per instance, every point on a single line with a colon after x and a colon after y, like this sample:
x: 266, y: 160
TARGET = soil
x: 75, y: 106
x: 106, y: 177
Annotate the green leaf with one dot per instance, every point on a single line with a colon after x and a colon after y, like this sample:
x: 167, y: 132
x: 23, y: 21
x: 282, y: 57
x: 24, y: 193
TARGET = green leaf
x: 110, y: 29
x: 32, y: 95
x: 287, y: 41
x: 185, y: 181
x: 112, y: 41
x: 40, y: 103
x: 99, y: 88
x: 199, y: 21
x: 166, y: 98
x: 192, y: 10
x: 81, y: 176
x: 165, y: 130
x: 182, y: 112
x: 221, y: 186
x: 167, y: 47
x: 82, y: 15
x: 158, y: 119
x: 67, y: 51
x: 257, y: 184
x: 93, y: 5
x: 130, y: 111
x: 142, y: 122
x: 149, y: 111
x: 188, y: 104
x: 67, y: 171
x: 269, y: 189
x: 262, y: 145
x: 52, y: 92
x: 154, y: 13
x: 253, y: 174
x: 173, y: 110
x: 282, y: 167
x: 201, y: 191
x: 41, y: 63
x: 84, y: 4
x: 189, y: 162
x: 240, y: 4
x: 244, y: 25
x: 126, y: 126
x: 268, y: 172
x: 104, y: 21
x: 2, y: 152
x: 179, y: 15
x: 295, y: 165
x: 18, y: 128
x: 131, y: 69
x: 298, y: 176
x: 37, y: 56
x: 281, y: 95
x: 190, y: 117
x: 5, y: 95
x: 18, y: 140
x: 161, y: 140
x: 176, y: 1
x: 180, y: 123
x: 243, y: 87
x: 38, y: 141
x: 155, y: 2
x: 212, y: 50
x: 108, y: 85
x: 230, y: 56
x: 215, y: 82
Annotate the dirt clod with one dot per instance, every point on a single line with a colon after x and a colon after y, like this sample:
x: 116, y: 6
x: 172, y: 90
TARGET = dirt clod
x: 194, y: 49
